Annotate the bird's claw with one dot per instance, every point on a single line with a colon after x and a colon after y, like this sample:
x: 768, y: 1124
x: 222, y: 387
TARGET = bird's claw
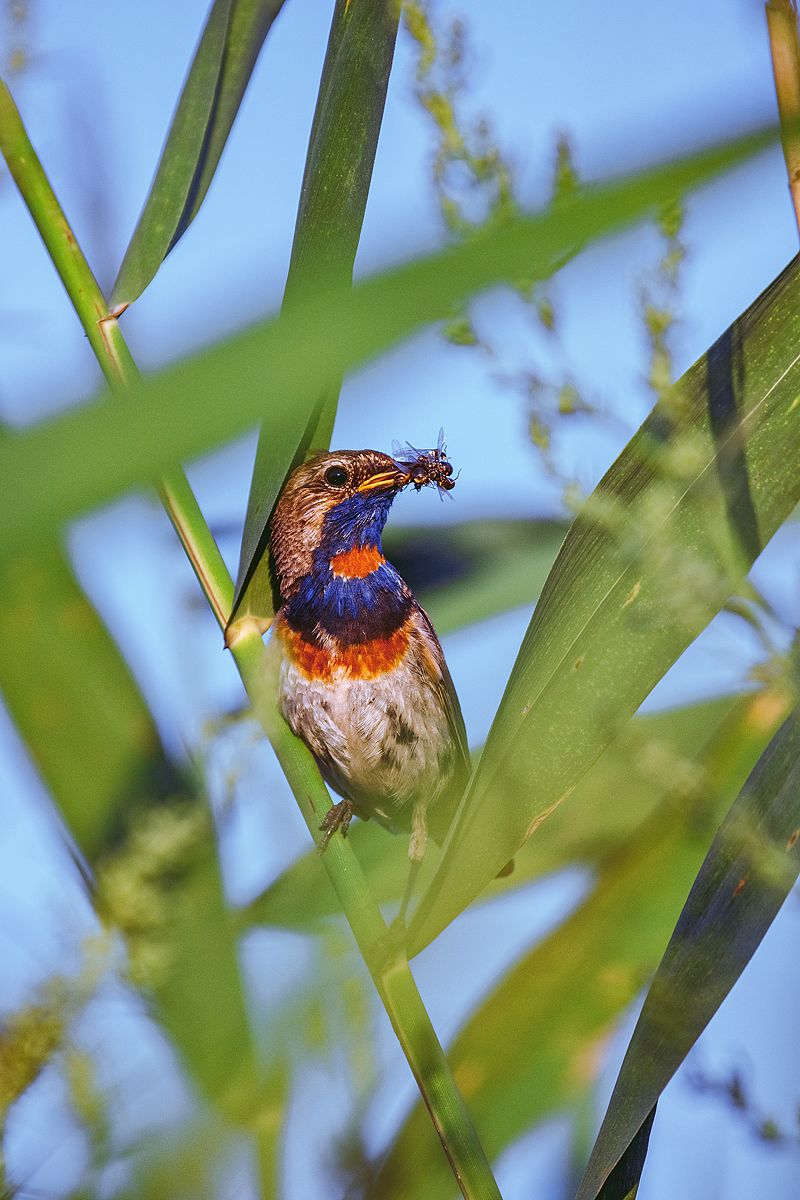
x: 337, y: 817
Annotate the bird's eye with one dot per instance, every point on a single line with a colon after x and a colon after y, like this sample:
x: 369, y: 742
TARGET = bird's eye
x: 336, y: 476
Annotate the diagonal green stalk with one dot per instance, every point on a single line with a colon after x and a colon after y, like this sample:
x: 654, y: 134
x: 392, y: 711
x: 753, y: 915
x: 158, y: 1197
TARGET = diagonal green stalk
x: 106, y: 340
x: 384, y: 957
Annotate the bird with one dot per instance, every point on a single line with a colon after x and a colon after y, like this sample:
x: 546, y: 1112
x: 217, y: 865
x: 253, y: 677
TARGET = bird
x: 362, y: 678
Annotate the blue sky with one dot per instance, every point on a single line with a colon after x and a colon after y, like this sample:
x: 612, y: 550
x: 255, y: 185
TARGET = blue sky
x: 628, y: 86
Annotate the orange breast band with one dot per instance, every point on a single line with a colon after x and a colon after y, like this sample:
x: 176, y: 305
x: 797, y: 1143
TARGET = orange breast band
x: 364, y: 660
x: 356, y: 563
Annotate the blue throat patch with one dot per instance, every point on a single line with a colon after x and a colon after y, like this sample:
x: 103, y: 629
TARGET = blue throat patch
x: 351, y: 610
x: 356, y: 521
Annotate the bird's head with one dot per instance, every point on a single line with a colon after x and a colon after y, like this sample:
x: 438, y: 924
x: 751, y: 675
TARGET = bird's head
x: 333, y: 504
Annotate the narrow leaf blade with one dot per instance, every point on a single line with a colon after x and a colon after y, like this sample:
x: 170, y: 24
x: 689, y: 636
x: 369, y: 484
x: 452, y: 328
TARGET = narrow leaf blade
x: 749, y: 870
x: 208, y: 104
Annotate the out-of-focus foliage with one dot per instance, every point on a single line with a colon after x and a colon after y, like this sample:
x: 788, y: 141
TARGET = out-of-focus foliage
x: 472, y: 178
x: 162, y: 889
x: 466, y: 572
x: 659, y: 298
x: 27, y: 1039
x: 14, y: 22
x: 474, y: 182
x: 75, y: 702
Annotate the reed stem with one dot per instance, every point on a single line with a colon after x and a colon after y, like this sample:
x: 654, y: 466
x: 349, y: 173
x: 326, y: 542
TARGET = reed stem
x: 783, y: 43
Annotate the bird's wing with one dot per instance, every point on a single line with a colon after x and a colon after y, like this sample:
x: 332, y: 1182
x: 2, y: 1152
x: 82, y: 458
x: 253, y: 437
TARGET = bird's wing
x: 442, y: 812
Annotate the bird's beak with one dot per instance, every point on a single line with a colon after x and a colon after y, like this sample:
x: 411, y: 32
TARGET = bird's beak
x: 395, y: 478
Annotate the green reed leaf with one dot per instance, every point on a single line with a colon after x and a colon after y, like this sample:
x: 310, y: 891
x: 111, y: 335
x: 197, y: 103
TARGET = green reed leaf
x: 208, y: 104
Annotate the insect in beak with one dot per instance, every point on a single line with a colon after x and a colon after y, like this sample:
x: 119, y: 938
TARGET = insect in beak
x: 417, y: 467
x: 426, y: 467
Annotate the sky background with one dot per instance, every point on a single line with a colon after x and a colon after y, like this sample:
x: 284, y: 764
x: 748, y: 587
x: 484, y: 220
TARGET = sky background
x: 96, y: 94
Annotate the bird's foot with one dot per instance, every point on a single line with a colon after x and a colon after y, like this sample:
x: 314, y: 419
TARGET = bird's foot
x: 337, y: 817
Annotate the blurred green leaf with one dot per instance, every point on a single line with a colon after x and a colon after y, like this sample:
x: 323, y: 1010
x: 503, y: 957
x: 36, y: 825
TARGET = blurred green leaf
x: 208, y: 104
x: 90, y: 734
x: 75, y: 702
x: 747, y: 874
x: 666, y: 538
x: 184, y: 1163
x: 471, y: 570
x: 333, y: 197
x: 177, y: 413
x: 28, y: 1038
x: 162, y: 889
x: 534, y: 1047
x: 637, y: 770
x: 201, y: 1001
x: 182, y: 1166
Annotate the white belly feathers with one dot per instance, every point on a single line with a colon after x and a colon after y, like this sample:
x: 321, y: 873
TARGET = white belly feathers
x: 382, y: 742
